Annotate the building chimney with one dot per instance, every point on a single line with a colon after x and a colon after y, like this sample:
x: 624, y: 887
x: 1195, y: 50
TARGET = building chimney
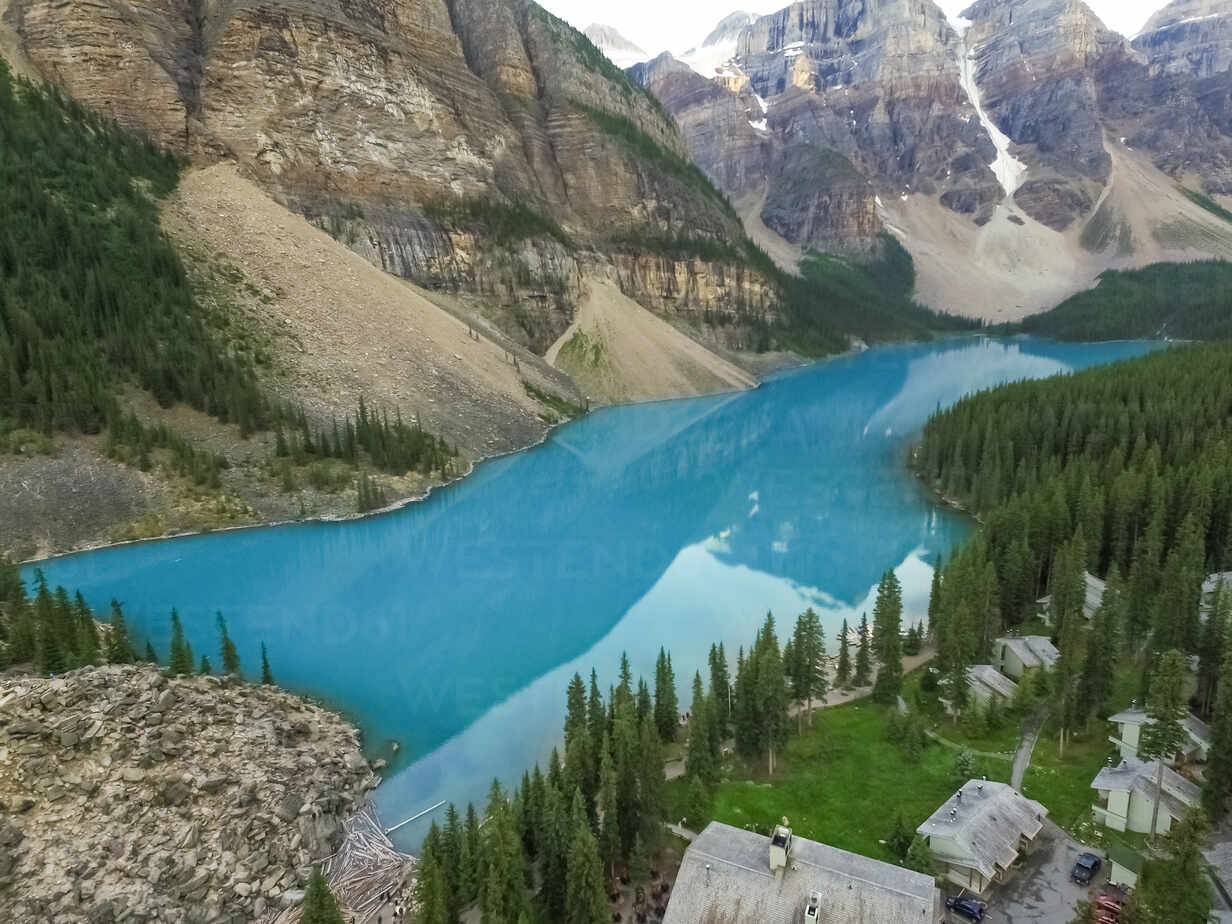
x: 813, y: 911
x: 780, y: 848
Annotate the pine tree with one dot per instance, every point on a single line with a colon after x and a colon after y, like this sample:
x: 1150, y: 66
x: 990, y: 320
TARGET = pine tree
x: 900, y: 838
x: 1211, y: 650
x: 319, y: 904
x: 639, y: 864
x: 720, y: 689
x: 1161, y: 738
x: 205, y: 669
x: 1100, y: 662
x: 920, y: 857
x: 843, y: 673
x: 698, y: 760
x: 119, y: 648
x: 585, y: 895
x: 180, y: 662
x: 87, y: 645
x: 666, y: 708
x: 609, y: 811
x: 230, y: 656
x: 864, y: 669
x: 1174, y: 889
x: 769, y: 692
x: 1218, y: 791
x: 150, y: 654
x: 956, y: 657
x: 554, y: 853
x: 697, y: 805
x: 267, y: 676
x: 807, y: 671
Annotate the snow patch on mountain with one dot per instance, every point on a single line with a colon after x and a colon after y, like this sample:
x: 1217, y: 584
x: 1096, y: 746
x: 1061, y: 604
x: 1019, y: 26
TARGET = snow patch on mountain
x: 619, y: 50
x: 1008, y: 169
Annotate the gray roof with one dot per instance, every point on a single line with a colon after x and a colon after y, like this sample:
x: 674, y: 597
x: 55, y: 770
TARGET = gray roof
x: 1032, y: 650
x: 987, y: 823
x: 1199, y: 732
x: 1139, y: 776
x: 988, y: 676
x: 1095, y: 595
x: 1212, y: 581
x: 739, y: 888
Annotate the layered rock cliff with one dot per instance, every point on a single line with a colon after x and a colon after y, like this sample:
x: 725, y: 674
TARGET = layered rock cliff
x: 1016, y: 129
x: 377, y: 119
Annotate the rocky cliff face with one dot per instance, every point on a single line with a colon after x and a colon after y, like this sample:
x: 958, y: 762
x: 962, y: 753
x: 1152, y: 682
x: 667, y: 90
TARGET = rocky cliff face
x: 1036, y: 66
x: 1010, y: 112
x: 127, y: 796
x: 364, y: 115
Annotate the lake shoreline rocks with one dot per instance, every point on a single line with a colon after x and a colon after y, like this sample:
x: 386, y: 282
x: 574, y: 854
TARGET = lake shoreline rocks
x: 128, y: 796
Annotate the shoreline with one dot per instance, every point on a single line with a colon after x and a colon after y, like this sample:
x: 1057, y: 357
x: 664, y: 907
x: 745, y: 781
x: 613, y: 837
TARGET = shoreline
x: 403, y: 503
x: 761, y: 379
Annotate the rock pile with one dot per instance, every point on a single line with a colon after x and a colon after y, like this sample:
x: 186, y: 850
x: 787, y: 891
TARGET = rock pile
x: 126, y: 796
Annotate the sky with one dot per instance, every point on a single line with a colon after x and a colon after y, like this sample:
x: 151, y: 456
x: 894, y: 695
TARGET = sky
x: 676, y: 25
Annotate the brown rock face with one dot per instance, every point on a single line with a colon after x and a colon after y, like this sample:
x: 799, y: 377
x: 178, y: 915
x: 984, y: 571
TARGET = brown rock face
x: 361, y: 113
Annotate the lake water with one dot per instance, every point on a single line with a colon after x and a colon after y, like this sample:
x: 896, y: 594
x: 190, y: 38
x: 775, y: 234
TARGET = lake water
x: 453, y: 625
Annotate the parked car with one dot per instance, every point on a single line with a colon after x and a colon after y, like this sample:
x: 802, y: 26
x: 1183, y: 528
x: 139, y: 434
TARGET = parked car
x: 966, y: 907
x: 1085, y: 868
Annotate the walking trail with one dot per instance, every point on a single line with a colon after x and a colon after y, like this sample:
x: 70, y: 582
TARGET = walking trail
x: 1026, y: 747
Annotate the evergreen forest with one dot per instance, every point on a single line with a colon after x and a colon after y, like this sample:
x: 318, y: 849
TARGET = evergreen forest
x: 1179, y: 301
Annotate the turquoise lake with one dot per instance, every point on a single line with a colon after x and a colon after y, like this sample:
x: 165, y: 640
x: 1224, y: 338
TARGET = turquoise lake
x: 452, y: 626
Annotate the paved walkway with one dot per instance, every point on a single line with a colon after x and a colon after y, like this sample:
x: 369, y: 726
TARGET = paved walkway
x: 680, y: 831
x: 1026, y: 747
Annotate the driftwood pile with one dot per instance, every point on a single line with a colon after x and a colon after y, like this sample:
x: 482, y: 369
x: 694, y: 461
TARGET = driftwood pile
x: 366, y: 867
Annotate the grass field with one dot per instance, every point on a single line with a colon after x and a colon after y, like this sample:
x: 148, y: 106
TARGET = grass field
x: 843, y: 782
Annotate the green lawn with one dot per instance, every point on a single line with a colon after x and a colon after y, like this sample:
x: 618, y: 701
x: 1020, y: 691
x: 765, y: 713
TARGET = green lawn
x: 1001, y: 740
x: 842, y: 782
x: 1064, y: 785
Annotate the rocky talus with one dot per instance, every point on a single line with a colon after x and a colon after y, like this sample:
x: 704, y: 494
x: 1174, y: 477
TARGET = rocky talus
x: 126, y: 796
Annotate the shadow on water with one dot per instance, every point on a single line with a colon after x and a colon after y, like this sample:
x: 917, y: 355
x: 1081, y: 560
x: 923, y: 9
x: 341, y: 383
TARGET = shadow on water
x: 451, y: 626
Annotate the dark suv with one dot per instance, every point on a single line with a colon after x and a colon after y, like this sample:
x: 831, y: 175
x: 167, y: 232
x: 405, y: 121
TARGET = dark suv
x: 966, y: 907
x: 1085, y: 868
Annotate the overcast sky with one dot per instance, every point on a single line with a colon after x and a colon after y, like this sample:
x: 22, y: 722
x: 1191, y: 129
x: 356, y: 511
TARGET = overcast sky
x: 675, y: 25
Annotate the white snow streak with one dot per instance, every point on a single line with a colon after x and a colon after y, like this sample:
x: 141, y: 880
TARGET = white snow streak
x: 1008, y: 169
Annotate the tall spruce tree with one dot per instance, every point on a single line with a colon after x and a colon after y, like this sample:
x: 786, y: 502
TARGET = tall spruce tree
x: 1164, y: 735
x: 887, y: 639
x: 585, y: 895
x: 1217, y: 793
x: 666, y: 708
x: 808, y: 676
x: 180, y: 663
x: 864, y: 668
x: 842, y: 675
x: 229, y: 655
x: 119, y: 647
x: 319, y: 904
x: 267, y: 676
x: 698, y: 759
x: 720, y: 689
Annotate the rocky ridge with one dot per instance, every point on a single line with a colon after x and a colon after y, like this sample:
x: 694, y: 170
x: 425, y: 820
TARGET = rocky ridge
x: 128, y: 796
x: 378, y: 120
x: 1016, y: 114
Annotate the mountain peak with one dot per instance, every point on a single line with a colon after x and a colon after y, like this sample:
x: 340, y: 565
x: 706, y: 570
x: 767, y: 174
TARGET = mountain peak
x: 729, y: 27
x: 622, y: 52
x: 1184, y: 12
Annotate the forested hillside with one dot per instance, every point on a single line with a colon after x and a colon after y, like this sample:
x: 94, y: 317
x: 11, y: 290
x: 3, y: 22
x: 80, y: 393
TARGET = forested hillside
x: 1181, y: 301
x: 91, y: 293
x: 1120, y: 471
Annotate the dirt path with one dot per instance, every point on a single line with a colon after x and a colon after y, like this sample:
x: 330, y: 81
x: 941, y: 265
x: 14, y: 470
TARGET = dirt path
x: 620, y: 352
